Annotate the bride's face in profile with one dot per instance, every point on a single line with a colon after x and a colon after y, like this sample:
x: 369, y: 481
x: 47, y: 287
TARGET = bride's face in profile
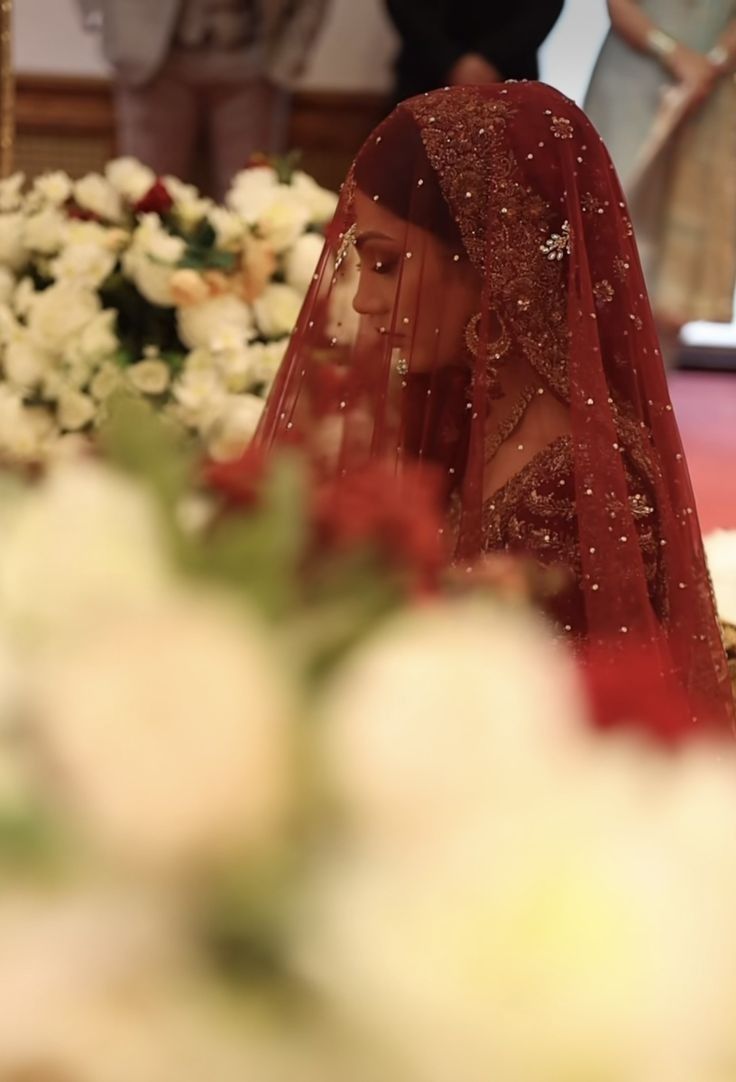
x: 412, y: 288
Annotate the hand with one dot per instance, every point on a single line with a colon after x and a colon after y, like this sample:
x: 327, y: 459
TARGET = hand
x: 473, y: 70
x: 694, y: 73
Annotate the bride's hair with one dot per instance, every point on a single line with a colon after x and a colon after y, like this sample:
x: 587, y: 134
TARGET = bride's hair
x: 398, y: 189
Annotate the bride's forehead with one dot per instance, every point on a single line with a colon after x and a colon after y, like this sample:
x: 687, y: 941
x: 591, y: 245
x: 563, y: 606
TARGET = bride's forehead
x: 371, y: 216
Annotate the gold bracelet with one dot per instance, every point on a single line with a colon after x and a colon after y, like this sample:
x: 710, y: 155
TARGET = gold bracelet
x: 660, y: 44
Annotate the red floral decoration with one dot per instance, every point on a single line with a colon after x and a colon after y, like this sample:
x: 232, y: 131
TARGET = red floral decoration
x: 157, y: 200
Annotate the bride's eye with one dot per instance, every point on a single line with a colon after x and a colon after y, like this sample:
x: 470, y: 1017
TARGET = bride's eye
x: 384, y: 265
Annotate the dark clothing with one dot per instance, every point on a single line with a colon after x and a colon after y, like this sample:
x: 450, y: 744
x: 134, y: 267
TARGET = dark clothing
x: 436, y: 33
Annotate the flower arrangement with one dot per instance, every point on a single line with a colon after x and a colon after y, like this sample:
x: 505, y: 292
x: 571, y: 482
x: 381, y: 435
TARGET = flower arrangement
x: 265, y: 814
x: 129, y: 280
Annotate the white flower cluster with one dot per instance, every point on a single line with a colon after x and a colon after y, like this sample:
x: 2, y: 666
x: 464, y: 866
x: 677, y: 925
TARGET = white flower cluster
x: 124, y: 280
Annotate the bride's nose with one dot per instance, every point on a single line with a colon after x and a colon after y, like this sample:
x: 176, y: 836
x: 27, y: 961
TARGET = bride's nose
x: 370, y: 300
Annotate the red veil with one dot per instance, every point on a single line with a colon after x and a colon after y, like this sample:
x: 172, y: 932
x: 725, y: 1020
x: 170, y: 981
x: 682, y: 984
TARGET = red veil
x: 479, y: 305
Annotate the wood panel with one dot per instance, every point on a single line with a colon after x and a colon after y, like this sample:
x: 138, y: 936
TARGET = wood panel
x: 69, y: 123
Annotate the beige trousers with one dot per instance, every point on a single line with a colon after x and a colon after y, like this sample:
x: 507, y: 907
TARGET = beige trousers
x: 190, y: 125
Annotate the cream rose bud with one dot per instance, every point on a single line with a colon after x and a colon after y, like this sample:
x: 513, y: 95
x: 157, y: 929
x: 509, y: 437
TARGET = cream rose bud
x: 202, y: 325
x: 95, y: 194
x: 85, y: 265
x: 60, y: 313
x: 13, y: 252
x: 119, y: 708
x: 320, y: 202
x: 53, y: 188
x: 44, y: 232
x: 277, y: 310
x: 252, y: 190
x: 188, y: 287
x: 283, y: 221
x: 130, y: 178
x: 301, y: 261
x: 235, y: 428
x: 150, y: 376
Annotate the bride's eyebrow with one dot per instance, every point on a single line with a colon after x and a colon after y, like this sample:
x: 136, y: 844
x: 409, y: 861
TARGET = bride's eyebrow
x: 371, y: 236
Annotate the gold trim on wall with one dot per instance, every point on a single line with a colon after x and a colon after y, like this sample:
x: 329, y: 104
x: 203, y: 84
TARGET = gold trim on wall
x: 7, y: 89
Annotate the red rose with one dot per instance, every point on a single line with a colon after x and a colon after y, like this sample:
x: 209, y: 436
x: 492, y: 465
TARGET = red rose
x: 157, y: 200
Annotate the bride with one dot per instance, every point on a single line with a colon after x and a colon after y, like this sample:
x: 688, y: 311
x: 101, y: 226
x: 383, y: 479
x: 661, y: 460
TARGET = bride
x: 479, y: 306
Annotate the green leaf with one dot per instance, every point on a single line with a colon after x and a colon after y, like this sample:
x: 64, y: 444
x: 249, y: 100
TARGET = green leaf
x: 153, y: 449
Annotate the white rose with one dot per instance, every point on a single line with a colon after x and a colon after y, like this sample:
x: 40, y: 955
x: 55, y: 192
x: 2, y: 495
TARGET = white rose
x: 217, y: 321
x: 97, y: 195
x: 320, y: 202
x: 111, y: 238
x: 25, y: 363
x: 235, y: 428
x: 150, y: 377
x: 301, y: 262
x: 252, y: 191
x: 189, y: 206
x: 21, y: 438
x: 60, y: 313
x: 152, y: 258
x: 406, y: 774
x: 117, y: 707
x: 179, y: 190
x: 85, y: 541
x: 277, y: 310
x: 108, y: 379
x: 96, y: 342
x: 283, y: 221
x: 85, y: 265
x: 7, y: 286
x: 75, y: 410
x: 11, y: 192
x: 13, y: 252
x: 130, y: 178
x: 44, y: 231
x: 53, y: 188
x: 265, y: 360
x: 229, y: 228
x: 201, y: 396
x: 25, y: 295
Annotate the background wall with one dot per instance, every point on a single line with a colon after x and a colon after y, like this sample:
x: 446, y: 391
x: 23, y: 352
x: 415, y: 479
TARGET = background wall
x: 354, y: 51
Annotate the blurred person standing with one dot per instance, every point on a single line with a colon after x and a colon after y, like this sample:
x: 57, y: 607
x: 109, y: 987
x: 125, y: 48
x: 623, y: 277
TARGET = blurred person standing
x: 468, y: 42
x: 663, y: 96
x: 212, y: 72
